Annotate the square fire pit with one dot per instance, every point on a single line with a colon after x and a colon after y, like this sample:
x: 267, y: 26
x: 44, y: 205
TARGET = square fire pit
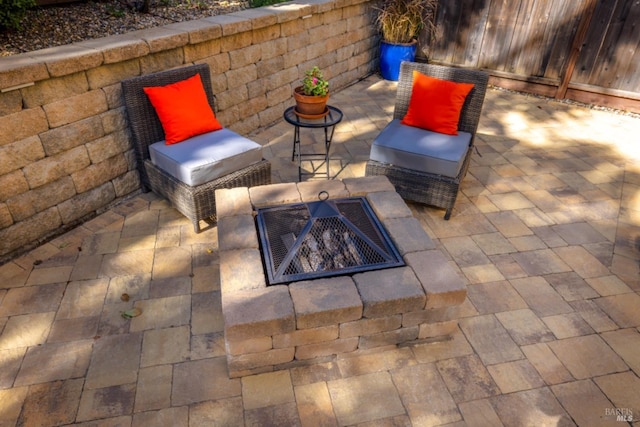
x: 273, y: 325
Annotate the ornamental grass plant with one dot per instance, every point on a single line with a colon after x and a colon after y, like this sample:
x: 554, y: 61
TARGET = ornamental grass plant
x: 401, y: 21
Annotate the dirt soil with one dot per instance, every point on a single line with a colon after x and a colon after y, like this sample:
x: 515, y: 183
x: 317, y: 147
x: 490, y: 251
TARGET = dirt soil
x: 58, y: 25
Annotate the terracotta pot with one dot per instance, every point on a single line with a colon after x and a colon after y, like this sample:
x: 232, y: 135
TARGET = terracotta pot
x: 310, y: 105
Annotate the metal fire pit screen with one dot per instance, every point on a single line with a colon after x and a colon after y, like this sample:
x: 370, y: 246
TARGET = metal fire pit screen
x: 324, y: 238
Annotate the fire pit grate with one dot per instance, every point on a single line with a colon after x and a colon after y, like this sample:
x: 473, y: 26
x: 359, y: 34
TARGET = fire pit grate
x: 324, y: 238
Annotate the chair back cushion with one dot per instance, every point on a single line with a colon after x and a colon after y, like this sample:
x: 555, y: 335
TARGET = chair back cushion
x: 436, y: 104
x: 144, y: 123
x: 183, y: 109
x: 205, y: 157
x: 472, y: 107
x: 421, y: 150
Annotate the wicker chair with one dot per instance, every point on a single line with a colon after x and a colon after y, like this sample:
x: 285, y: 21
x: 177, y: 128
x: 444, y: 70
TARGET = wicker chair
x: 420, y: 186
x: 195, y: 202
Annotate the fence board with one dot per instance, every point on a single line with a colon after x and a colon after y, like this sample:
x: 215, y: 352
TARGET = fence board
x: 537, y: 42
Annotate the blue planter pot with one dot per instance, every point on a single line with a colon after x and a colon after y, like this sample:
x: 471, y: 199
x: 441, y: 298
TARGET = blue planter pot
x: 391, y: 55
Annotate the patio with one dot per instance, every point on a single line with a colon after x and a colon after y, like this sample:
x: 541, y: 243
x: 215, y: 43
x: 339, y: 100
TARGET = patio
x: 545, y: 234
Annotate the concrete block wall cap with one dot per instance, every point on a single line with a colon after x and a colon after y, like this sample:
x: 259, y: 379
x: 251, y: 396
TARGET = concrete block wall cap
x: 68, y: 59
x: 237, y: 232
x: 258, y: 313
x: 118, y: 48
x: 290, y: 11
x: 230, y: 24
x: 199, y: 30
x: 274, y: 194
x: 388, y: 204
x: 21, y: 69
x: 259, y: 17
x: 162, y: 38
x: 309, y: 190
x: 232, y: 201
x: 368, y: 184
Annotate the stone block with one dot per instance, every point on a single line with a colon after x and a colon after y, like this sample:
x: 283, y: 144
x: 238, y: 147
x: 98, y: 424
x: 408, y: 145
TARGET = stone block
x: 274, y: 194
x: 115, y: 120
x: 118, y: 48
x: 113, y: 93
x: 432, y: 315
x: 282, y: 78
x: 370, y: 326
x: 163, y: 38
x: 66, y: 137
x: 306, y: 336
x: 110, y: 74
x: 249, y: 55
x: 388, y: 292
x: 31, y: 202
x: 76, y: 108
x: 237, y: 232
x: 268, y: 38
x: 21, y: 125
x: 53, y: 168
x: 272, y: 114
x: 324, y: 302
x: 232, y: 25
x: 251, y: 345
x: 408, y: 235
x: 259, y: 17
x: 162, y: 60
x: 207, y: 51
x: 278, y: 97
x: 238, y: 364
x: 368, y: 184
x: 97, y: 174
x: 241, y: 270
x: 54, y: 89
x: 12, y: 184
x: 232, y: 201
x: 68, y: 59
x: 86, y: 203
x: 238, y: 77
x: 438, y: 329
x: 5, y: 216
x: 439, y: 280
x: 310, y: 190
x: 127, y: 183
x: 25, y: 232
x: 10, y: 102
x: 268, y: 67
x: 257, y: 313
x: 382, y: 339
x: 388, y: 204
x: 199, y: 30
x: 20, y: 70
x: 339, y: 346
x: 103, y: 148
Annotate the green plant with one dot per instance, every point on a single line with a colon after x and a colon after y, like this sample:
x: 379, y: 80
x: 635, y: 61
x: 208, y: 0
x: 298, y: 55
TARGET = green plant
x: 314, y: 84
x: 260, y: 3
x: 12, y: 12
x: 401, y: 21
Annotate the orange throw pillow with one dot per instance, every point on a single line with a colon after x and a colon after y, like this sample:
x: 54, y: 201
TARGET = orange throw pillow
x: 183, y: 109
x: 435, y: 104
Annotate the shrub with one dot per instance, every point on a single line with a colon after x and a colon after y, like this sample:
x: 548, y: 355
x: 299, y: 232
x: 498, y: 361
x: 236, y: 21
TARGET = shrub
x: 12, y: 12
x: 260, y: 3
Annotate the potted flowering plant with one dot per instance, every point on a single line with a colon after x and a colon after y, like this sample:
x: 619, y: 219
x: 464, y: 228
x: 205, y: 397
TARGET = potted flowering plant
x: 311, y: 98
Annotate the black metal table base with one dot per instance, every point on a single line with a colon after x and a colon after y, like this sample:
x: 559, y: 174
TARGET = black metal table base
x: 327, y: 123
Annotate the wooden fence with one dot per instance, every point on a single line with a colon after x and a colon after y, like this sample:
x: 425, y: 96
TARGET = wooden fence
x: 586, y: 50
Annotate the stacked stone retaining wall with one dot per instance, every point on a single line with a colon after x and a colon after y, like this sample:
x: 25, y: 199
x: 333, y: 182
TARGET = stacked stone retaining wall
x: 65, y: 149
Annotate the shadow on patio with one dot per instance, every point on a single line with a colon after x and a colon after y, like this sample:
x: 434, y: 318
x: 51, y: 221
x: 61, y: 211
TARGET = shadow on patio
x: 545, y: 234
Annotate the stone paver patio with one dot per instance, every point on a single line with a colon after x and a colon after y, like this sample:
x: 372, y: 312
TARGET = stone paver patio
x: 545, y: 234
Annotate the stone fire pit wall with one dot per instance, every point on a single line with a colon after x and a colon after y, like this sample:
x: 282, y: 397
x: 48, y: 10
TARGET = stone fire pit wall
x: 277, y: 327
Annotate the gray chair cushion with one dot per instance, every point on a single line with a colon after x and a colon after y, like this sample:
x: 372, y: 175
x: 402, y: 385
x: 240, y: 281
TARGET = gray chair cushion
x: 205, y: 157
x: 421, y: 150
